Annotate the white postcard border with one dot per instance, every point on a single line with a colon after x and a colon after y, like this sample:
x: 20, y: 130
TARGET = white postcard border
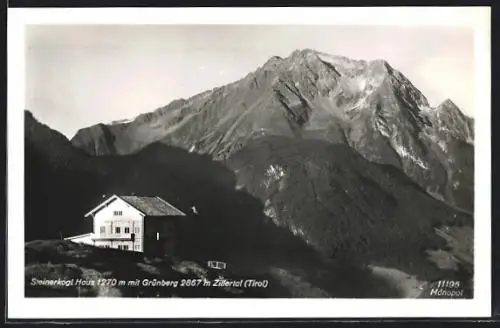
x: 20, y: 307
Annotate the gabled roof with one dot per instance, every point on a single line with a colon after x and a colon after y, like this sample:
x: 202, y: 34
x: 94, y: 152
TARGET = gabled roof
x: 148, y: 206
x: 152, y: 206
x: 79, y: 236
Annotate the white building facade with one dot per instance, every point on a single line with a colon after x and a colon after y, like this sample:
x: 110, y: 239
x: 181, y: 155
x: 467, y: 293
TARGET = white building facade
x: 118, y: 225
x: 132, y: 223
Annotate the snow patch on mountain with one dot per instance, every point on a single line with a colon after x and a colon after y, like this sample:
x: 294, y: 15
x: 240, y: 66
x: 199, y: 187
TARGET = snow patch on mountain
x: 382, y: 127
x: 425, y: 108
x: 274, y: 174
x: 343, y: 64
x: 404, y: 153
x: 442, y: 145
x: 271, y: 212
x: 362, y: 83
x: 358, y: 75
x: 297, y: 231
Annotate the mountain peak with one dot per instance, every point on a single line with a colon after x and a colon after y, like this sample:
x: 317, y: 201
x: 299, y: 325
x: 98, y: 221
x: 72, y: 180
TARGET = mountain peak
x: 342, y: 64
x: 449, y: 109
x: 275, y: 58
x: 315, y: 54
x: 303, y: 52
x: 449, y: 106
x: 380, y: 61
x: 448, y: 103
x: 303, y: 55
x: 273, y: 61
x: 308, y: 94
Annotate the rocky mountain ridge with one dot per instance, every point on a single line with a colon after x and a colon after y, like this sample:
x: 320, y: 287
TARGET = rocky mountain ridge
x: 367, y: 105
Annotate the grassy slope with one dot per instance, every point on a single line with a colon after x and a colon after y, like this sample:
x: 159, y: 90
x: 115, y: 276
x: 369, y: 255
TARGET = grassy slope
x: 54, y: 259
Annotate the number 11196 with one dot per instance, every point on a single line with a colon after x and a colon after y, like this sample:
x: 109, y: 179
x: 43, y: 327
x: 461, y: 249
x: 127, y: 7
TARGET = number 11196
x: 448, y: 284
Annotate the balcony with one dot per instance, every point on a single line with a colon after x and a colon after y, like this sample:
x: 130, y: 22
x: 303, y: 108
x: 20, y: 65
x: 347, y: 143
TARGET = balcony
x: 114, y: 238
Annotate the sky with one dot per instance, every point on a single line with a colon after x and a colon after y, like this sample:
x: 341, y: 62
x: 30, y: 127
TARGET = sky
x: 80, y: 75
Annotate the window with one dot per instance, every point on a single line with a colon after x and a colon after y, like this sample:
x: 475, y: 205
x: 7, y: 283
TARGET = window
x: 118, y: 213
x: 117, y: 230
x: 125, y: 247
x: 136, y: 229
x: 137, y: 247
x: 217, y: 265
x: 103, y: 229
x: 106, y: 246
x: 127, y: 230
